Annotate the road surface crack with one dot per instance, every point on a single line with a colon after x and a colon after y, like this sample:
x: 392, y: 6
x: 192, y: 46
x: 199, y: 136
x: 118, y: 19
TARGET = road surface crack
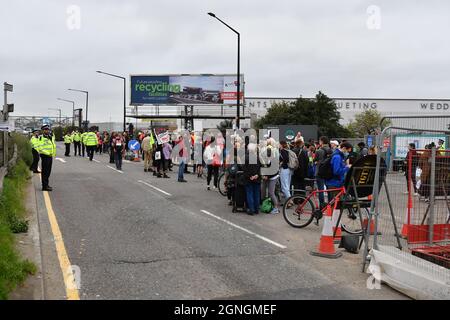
x: 212, y: 256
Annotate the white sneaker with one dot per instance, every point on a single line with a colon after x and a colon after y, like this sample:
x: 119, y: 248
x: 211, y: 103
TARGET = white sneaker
x: 214, y: 188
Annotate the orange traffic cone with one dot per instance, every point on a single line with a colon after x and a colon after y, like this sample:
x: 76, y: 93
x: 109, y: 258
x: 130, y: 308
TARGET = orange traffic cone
x: 405, y: 227
x: 326, y: 245
x: 372, y: 225
x: 336, y: 231
x: 136, y: 157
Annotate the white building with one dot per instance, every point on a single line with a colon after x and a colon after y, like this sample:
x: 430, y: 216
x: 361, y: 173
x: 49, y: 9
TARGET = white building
x: 349, y: 107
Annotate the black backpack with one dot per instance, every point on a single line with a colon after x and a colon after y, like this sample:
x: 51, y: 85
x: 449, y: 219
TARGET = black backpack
x: 325, y: 169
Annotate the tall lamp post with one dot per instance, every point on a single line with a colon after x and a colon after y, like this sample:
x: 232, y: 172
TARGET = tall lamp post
x: 238, y: 80
x: 124, y: 95
x: 73, y: 109
x: 87, y: 102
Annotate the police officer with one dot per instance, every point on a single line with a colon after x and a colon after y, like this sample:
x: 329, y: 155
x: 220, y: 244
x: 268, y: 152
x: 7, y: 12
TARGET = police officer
x: 67, y: 142
x: 34, y: 141
x: 76, y: 137
x: 47, y: 151
x: 91, y: 142
x: 83, y: 145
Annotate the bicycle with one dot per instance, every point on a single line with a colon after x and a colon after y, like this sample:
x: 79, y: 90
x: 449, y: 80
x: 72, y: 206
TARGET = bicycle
x: 300, y: 210
x: 222, y: 185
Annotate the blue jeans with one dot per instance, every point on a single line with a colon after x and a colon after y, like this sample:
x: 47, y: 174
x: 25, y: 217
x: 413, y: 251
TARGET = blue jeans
x: 181, y: 170
x: 321, y: 186
x: 253, y: 194
x: 285, y: 179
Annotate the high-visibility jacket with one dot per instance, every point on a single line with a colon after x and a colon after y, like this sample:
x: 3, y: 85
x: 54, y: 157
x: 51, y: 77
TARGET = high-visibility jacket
x: 34, y: 141
x: 90, y: 139
x: 83, y: 137
x: 67, y: 139
x: 76, y: 137
x: 47, y: 146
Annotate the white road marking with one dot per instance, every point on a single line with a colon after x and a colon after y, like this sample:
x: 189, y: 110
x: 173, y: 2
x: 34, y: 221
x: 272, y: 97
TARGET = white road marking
x: 115, y: 169
x: 245, y: 230
x: 157, y: 189
x: 127, y: 161
x: 62, y: 160
x: 95, y: 160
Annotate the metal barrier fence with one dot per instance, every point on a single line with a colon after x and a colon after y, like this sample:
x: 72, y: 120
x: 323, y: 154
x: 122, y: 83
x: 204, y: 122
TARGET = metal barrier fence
x: 412, y: 210
x: 414, y: 124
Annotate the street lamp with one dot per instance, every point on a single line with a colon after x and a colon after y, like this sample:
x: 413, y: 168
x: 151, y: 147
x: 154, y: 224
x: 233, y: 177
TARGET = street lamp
x: 124, y: 95
x: 87, y: 101
x: 73, y: 109
x: 238, y: 82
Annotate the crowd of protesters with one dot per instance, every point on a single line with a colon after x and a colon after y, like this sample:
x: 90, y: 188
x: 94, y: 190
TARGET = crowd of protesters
x: 209, y: 153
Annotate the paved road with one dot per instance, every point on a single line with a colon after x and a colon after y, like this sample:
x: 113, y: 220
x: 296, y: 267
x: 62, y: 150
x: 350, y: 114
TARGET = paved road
x: 134, y: 236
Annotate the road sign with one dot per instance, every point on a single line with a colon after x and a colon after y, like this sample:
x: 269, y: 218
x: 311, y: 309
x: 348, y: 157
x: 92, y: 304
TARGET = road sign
x: 7, y: 126
x: 8, y: 87
x: 134, y: 145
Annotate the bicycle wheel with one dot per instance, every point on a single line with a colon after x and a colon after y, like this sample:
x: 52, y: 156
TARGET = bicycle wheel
x: 298, y: 211
x: 351, y: 222
x: 222, y: 186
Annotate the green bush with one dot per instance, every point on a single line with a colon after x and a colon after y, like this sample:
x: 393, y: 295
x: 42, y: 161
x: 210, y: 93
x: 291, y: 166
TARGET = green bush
x: 13, y: 270
x: 23, y: 147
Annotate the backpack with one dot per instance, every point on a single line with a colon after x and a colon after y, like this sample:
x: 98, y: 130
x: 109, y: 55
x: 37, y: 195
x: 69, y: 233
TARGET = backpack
x: 266, y: 206
x: 293, y: 160
x: 325, y: 169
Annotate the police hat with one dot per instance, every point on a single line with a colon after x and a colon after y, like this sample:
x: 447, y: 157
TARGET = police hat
x: 36, y: 130
x: 45, y: 126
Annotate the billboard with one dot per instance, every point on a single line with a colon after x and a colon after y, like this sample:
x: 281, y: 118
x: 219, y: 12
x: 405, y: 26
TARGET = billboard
x: 185, y: 89
x: 401, y: 142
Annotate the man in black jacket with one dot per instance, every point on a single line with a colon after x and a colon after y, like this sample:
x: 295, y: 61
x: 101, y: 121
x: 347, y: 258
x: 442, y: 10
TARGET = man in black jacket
x: 322, y: 153
x: 298, y: 178
x: 252, y: 178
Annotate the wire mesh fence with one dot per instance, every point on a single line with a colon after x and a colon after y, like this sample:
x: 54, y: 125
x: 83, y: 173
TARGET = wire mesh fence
x: 412, y: 210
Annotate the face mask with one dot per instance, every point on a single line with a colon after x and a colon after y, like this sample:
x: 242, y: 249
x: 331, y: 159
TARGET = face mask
x: 345, y: 153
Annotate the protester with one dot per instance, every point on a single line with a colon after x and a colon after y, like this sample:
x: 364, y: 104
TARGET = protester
x: 147, y: 148
x: 299, y: 137
x: 411, y: 159
x: 110, y: 148
x: 339, y: 167
x: 285, y: 171
x: 182, y: 158
x: 334, y: 144
x: 252, y: 178
x: 119, y: 150
x: 301, y: 173
x: 269, y: 181
x: 211, y: 156
x: 322, y: 153
x: 363, y: 151
x: 167, y: 150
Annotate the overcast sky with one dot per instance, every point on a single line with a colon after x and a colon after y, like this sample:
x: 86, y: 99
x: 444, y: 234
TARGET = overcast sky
x: 289, y: 48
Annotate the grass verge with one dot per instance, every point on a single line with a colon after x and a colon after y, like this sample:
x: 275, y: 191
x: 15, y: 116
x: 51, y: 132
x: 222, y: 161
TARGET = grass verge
x: 14, y: 270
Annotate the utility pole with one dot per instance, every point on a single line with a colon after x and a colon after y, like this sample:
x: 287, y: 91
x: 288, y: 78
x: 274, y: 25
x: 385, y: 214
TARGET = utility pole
x: 6, y: 87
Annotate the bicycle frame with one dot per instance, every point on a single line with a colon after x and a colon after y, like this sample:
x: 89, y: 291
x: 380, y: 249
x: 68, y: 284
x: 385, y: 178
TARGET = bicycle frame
x: 332, y: 203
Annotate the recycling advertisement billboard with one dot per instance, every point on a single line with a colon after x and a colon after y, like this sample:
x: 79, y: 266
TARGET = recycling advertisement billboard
x: 185, y: 89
